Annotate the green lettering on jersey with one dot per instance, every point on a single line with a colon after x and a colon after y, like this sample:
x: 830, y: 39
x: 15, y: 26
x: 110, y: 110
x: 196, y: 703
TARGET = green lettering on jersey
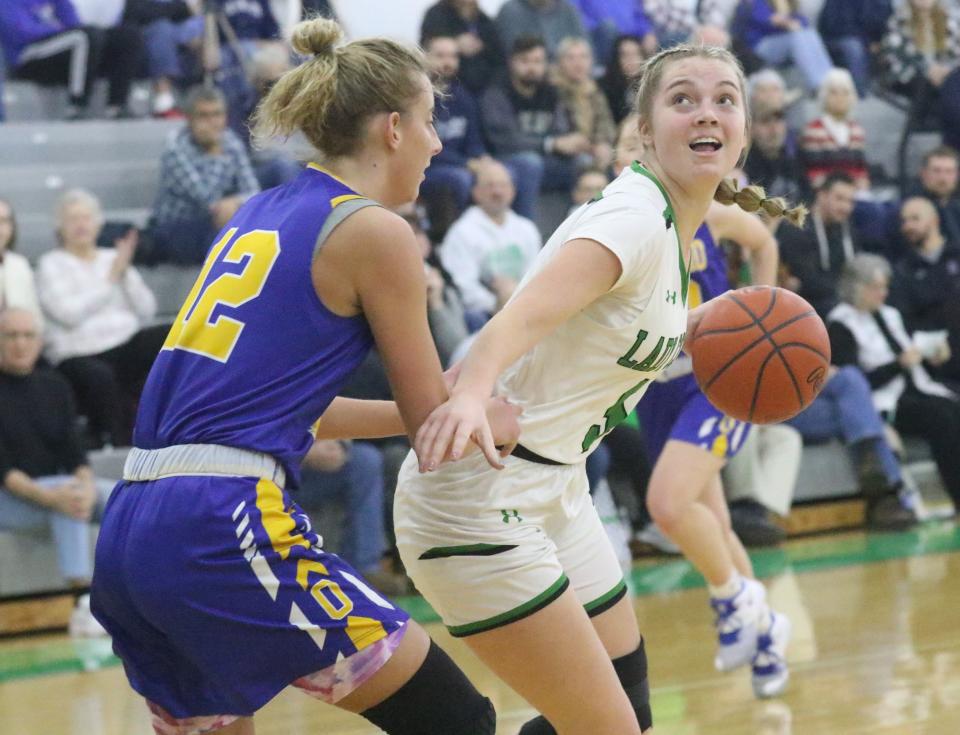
x: 627, y: 360
x: 611, y: 418
x: 668, y: 354
x: 646, y: 365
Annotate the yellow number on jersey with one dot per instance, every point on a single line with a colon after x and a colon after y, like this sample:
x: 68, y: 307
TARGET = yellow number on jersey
x: 193, y: 330
x: 698, y: 262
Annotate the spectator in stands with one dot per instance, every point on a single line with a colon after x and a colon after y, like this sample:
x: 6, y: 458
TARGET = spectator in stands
x: 351, y: 473
x: 482, y: 57
x: 457, y: 119
x: 921, y: 53
x: 445, y: 310
x: 779, y: 34
x: 772, y: 161
x: 851, y: 29
x: 123, y: 45
x: 608, y: 21
x: 172, y: 30
x: 17, y: 286
x: 98, y: 309
x: 584, y: 102
x: 44, y: 42
x: 205, y: 175
x: 867, y: 332
x: 550, y: 20
x: 45, y: 480
x: 759, y: 482
x: 835, y: 141
x: 813, y: 257
x: 938, y: 183
x: 490, y: 247
x: 676, y: 21
x: 528, y: 128
x: 844, y: 410
x: 272, y: 163
x: 622, y: 71
x: 590, y: 183
x: 768, y: 88
x: 926, y: 281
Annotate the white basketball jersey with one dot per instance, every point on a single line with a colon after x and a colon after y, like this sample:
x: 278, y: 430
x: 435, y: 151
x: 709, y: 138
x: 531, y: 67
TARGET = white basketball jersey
x: 582, y: 380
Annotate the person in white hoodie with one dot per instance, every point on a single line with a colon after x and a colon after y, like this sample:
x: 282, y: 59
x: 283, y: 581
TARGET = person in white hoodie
x: 489, y: 248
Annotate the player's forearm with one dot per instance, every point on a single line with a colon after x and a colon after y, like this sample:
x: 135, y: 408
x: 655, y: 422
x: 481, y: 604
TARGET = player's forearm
x: 502, y: 341
x: 763, y: 265
x: 351, y: 418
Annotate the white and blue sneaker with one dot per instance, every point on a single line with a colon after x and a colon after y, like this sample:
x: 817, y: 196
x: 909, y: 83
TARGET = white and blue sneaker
x: 770, y: 673
x: 738, y: 623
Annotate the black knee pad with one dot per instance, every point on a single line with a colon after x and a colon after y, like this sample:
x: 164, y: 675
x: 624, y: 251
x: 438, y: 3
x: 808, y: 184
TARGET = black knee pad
x: 438, y: 699
x: 632, y: 672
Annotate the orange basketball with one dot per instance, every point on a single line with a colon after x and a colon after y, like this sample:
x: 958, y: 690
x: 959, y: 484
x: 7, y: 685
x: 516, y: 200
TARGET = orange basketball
x: 760, y: 354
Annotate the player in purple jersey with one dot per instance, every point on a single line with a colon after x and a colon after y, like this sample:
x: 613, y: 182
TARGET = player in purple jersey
x: 210, y: 580
x: 690, y: 441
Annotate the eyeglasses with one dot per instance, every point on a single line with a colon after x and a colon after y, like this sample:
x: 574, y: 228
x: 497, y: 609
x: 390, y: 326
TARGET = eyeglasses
x: 772, y: 116
x: 19, y: 335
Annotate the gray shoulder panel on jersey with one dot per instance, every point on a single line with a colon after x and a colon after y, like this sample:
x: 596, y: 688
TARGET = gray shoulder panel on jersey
x: 338, y: 215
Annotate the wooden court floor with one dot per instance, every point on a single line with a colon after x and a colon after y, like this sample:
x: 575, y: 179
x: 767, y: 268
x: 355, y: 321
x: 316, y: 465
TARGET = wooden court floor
x: 876, y: 649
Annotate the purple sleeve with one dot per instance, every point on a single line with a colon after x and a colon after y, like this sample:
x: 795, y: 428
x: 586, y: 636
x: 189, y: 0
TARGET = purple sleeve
x: 67, y: 14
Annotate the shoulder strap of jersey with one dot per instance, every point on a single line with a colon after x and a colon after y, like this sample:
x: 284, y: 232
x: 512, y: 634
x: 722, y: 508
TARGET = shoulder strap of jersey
x: 337, y: 215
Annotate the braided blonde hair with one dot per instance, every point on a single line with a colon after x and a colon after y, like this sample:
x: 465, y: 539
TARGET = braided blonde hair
x: 750, y: 198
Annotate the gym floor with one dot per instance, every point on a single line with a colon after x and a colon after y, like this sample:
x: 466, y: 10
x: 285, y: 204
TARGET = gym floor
x: 876, y: 649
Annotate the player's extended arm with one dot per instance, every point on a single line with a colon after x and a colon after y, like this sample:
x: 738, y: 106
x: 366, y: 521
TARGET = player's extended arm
x: 581, y: 272
x: 748, y: 231
x: 353, y: 418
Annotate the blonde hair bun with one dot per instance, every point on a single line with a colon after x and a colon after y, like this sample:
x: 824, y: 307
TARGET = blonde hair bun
x: 316, y: 37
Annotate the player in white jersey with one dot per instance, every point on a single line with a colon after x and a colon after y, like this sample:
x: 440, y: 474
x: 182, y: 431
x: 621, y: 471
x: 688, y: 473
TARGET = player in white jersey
x: 516, y: 561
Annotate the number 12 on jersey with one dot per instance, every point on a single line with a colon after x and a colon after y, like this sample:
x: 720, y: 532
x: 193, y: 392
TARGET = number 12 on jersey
x: 193, y: 330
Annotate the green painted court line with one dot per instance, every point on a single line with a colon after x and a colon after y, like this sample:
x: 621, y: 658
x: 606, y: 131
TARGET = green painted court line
x: 647, y: 578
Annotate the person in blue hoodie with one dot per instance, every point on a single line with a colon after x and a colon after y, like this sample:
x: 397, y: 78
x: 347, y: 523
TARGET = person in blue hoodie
x: 457, y: 119
x: 44, y: 41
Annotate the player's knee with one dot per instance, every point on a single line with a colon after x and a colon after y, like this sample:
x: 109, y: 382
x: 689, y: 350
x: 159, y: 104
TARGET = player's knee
x: 632, y: 673
x: 665, y: 510
x: 438, y: 698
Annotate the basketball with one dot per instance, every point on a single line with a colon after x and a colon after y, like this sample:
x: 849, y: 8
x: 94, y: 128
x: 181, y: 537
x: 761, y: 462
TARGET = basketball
x: 760, y: 354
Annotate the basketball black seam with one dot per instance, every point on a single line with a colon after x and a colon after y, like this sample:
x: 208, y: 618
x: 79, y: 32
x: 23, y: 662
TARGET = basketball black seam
x: 763, y: 367
x: 765, y: 336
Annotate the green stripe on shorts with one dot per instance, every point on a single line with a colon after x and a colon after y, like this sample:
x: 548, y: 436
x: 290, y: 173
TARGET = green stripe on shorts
x: 444, y: 552
x: 603, y: 600
x: 518, y: 613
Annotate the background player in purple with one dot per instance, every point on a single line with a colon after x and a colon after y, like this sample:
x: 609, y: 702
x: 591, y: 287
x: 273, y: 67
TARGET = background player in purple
x: 690, y: 441
x: 216, y: 591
